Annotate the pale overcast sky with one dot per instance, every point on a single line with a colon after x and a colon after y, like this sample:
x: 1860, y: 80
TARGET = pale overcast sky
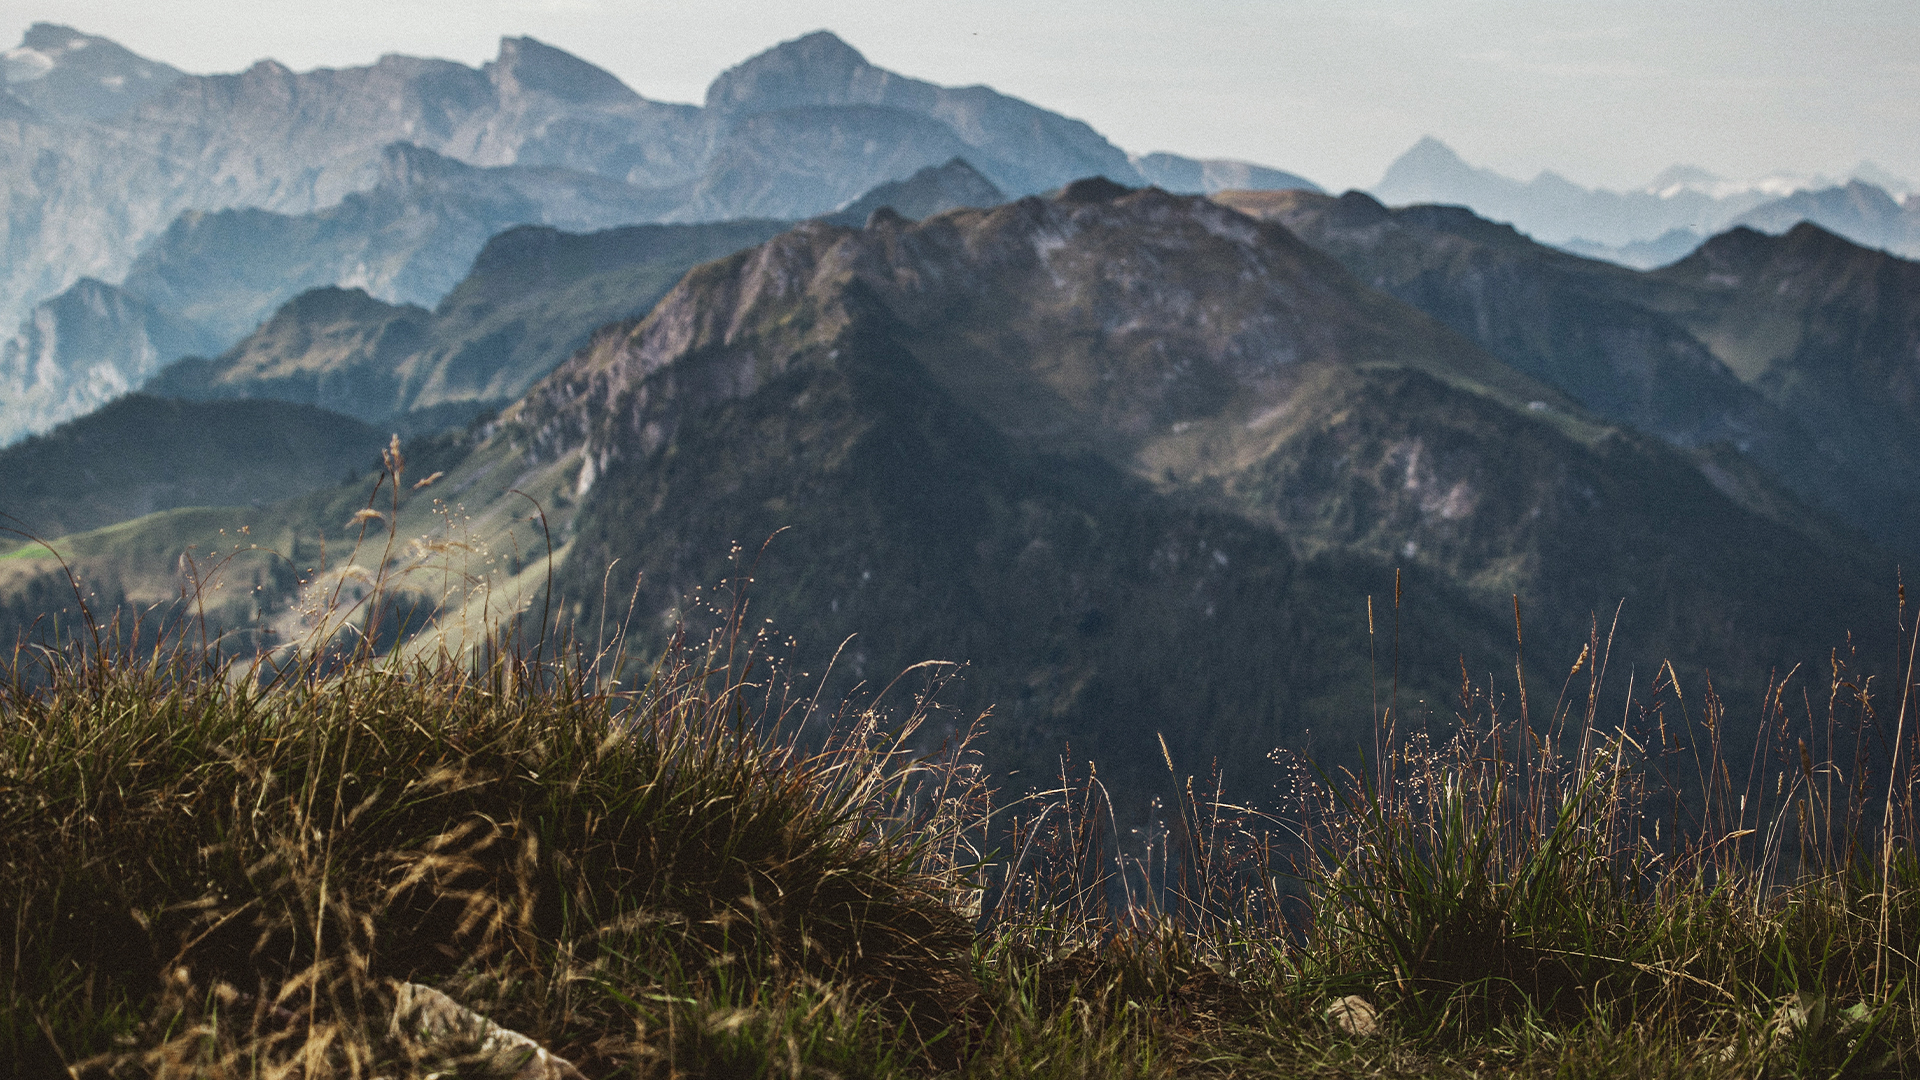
x: 1606, y: 92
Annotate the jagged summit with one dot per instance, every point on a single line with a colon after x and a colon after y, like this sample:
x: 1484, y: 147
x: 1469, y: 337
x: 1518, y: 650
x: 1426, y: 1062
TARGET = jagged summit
x: 1744, y: 250
x: 526, y: 64
x: 65, y: 73
x: 817, y: 69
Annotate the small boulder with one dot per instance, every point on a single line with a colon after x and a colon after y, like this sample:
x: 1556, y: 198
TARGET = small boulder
x: 437, y: 1030
x: 1354, y: 1015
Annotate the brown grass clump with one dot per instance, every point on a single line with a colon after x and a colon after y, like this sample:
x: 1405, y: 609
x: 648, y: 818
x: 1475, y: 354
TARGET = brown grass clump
x: 211, y: 875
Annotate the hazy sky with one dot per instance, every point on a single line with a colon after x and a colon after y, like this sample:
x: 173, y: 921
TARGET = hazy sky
x: 1606, y: 92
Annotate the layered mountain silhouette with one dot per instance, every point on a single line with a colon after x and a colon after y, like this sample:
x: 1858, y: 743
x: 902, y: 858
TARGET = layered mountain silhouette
x: 218, y: 197
x: 1660, y: 223
x: 408, y: 240
x: 1552, y: 208
x: 1862, y: 212
x: 1135, y: 459
x: 532, y: 298
x: 925, y: 193
x: 83, y: 348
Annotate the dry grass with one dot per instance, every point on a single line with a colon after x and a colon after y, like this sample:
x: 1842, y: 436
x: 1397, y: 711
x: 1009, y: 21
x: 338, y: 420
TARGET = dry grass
x: 232, y: 867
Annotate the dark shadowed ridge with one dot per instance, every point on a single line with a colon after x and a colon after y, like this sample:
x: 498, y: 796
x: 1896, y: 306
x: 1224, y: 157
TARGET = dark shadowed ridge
x: 1123, y: 453
x: 142, y: 454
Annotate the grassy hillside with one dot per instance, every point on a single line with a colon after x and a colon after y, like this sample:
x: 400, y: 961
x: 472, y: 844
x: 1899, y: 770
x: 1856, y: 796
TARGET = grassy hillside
x: 142, y: 454
x: 375, y: 867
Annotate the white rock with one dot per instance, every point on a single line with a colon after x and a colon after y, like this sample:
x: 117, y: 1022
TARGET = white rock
x: 1353, y: 1015
x: 437, y: 1029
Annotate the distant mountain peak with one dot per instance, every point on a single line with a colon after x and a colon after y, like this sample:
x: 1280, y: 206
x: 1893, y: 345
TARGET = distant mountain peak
x: 47, y: 40
x: 527, y: 64
x: 816, y: 69
x: 65, y: 73
x: 1428, y: 168
x: 1430, y: 150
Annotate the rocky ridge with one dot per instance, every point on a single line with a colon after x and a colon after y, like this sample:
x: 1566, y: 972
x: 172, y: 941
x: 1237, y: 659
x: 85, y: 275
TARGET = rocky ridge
x: 1133, y: 410
x: 1634, y: 348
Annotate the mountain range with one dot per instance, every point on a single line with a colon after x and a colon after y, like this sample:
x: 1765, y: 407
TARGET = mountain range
x: 1236, y: 468
x: 1136, y: 459
x: 1663, y: 221
x: 390, y: 177
x: 532, y: 299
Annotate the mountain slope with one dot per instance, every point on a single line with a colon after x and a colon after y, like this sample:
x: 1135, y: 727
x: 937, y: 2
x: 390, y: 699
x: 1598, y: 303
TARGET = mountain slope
x: 1830, y: 333
x: 1594, y: 330
x: 336, y: 348
x: 408, y: 240
x: 961, y: 417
